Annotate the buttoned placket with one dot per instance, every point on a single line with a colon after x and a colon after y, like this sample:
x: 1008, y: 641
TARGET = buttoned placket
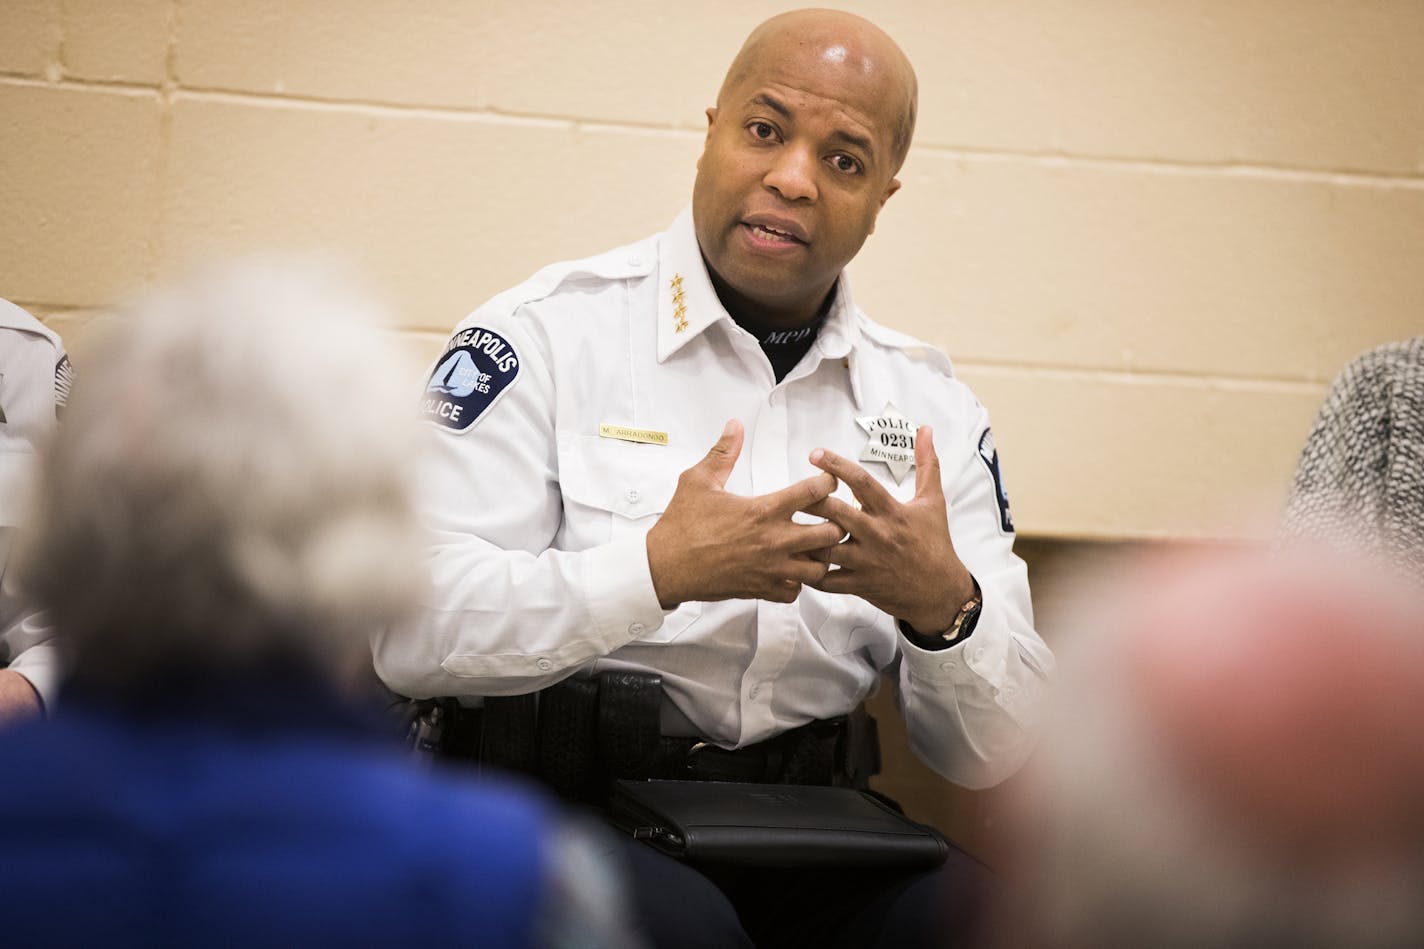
x: 777, y: 624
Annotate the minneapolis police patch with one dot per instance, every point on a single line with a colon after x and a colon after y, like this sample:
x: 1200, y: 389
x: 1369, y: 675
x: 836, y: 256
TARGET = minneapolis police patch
x: 990, y: 456
x: 478, y: 367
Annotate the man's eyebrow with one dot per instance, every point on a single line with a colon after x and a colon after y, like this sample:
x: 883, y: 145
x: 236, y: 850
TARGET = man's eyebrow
x: 774, y: 105
x: 850, y: 138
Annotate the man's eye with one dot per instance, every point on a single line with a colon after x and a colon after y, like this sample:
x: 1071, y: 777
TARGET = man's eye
x: 845, y: 163
x: 762, y: 130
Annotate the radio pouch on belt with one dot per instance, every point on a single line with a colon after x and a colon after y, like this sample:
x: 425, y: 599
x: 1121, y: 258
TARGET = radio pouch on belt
x: 723, y: 823
x: 568, y: 738
x: 628, y: 722
x: 508, y: 732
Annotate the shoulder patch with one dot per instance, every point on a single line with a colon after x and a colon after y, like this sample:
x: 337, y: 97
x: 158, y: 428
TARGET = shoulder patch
x: 989, y: 455
x: 63, y: 380
x: 478, y: 367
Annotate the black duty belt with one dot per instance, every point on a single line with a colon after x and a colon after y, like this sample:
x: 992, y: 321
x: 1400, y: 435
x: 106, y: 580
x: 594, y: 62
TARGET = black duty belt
x: 580, y: 735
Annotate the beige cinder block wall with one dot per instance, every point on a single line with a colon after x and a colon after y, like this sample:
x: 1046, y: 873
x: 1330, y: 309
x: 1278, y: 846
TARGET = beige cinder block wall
x: 1148, y: 233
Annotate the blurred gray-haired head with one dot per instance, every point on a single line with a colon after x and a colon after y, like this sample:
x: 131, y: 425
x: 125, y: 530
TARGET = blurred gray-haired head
x: 229, y: 487
x: 1235, y: 759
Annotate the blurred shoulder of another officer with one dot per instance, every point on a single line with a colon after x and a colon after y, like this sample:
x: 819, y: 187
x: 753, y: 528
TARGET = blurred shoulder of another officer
x: 35, y: 376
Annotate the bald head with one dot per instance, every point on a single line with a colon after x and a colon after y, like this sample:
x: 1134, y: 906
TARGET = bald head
x: 841, y: 42
x: 810, y: 128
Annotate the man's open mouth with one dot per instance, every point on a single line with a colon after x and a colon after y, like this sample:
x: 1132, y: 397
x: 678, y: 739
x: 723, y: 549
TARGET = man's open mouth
x: 773, y: 233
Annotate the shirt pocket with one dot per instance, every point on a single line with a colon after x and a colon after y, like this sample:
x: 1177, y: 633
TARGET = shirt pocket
x: 613, y: 489
x: 842, y: 623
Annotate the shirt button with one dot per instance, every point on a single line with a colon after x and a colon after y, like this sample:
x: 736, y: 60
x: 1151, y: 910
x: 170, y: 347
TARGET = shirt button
x: 949, y: 665
x: 635, y: 261
x: 544, y: 665
x: 756, y: 690
x: 979, y: 654
x: 636, y: 628
x: 632, y: 495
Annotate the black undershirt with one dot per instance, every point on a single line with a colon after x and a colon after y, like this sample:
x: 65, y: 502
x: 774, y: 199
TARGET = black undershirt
x: 785, y: 347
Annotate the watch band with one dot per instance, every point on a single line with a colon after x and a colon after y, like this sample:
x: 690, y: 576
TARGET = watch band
x: 964, y: 622
x: 967, y: 616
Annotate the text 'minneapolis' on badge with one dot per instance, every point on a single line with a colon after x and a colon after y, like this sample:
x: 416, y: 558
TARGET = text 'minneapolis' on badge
x: 479, y: 365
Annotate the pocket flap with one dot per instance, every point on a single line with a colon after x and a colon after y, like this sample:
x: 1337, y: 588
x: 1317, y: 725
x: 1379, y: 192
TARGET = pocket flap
x: 626, y: 478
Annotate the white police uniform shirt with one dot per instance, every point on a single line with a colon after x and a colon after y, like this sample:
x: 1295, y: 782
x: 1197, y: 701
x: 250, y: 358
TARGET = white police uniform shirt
x: 34, y: 382
x: 539, y: 559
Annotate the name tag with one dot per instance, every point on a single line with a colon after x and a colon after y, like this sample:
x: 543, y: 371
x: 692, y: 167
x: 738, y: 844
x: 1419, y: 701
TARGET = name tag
x: 645, y: 436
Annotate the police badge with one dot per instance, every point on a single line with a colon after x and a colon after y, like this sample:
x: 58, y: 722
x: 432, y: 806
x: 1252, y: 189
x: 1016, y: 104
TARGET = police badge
x: 892, y: 441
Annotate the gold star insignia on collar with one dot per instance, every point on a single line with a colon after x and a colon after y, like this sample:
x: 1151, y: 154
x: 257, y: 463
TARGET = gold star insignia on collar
x: 680, y: 306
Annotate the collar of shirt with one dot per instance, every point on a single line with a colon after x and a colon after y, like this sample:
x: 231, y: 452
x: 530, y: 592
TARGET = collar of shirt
x: 688, y: 304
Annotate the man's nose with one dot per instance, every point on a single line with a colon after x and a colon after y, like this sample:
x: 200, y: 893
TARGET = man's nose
x: 793, y: 174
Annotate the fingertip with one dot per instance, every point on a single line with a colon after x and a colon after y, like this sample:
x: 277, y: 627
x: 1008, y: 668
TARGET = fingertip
x: 722, y: 455
x: 924, y: 443
x: 817, y: 455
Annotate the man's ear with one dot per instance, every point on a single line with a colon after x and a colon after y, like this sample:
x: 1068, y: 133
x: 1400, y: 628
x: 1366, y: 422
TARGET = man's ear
x: 711, y: 119
x: 890, y: 189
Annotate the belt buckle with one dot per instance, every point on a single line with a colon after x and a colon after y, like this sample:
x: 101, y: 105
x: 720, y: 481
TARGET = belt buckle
x: 694, y: 754
x: 706, y: 761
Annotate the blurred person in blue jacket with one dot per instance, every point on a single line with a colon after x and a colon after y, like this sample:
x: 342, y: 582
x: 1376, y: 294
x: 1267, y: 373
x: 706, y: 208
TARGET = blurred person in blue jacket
x: 223, y: 520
